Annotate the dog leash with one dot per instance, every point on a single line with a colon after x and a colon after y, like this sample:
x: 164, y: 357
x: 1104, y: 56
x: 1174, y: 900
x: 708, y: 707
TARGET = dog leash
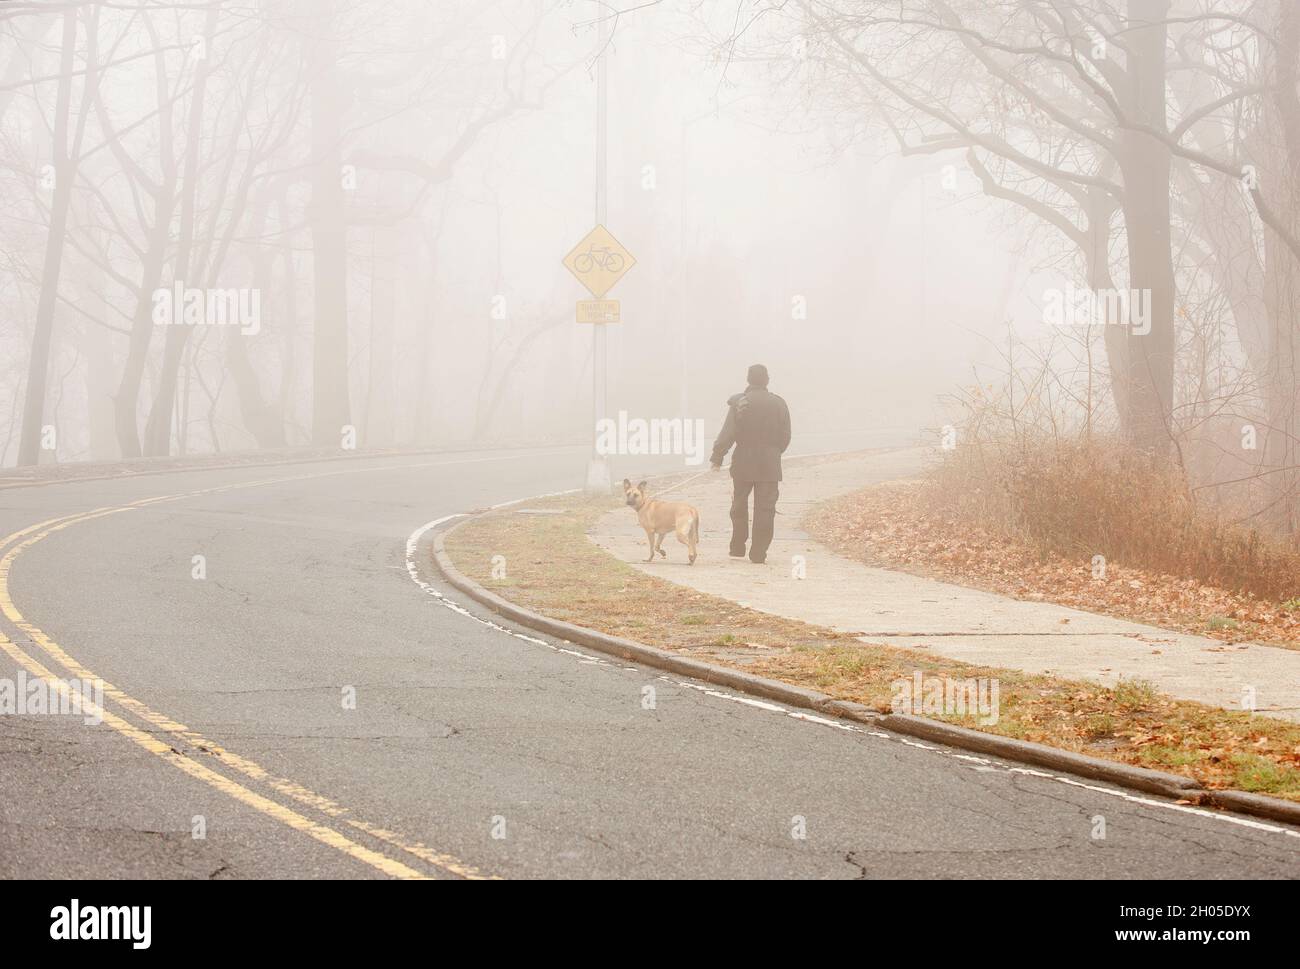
x: 683, y: 484
x: 701, y: 474
x: 709, y: 470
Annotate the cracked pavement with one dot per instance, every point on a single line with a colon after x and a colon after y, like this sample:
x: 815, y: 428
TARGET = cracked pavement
x: 456, y: 725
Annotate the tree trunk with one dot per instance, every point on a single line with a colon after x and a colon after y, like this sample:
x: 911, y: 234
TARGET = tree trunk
x: 1146, y: 165
x: 97, y: 348
x: 127, y: 400
x: 380, y: 402
x: 287, y: 399
x: 331, y: 408
x: 29, y: 447
x: 262, y: 419
x: 1281, y: 185
x: 157, y: 430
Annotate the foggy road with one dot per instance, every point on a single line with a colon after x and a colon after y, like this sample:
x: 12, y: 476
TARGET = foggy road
x: 467, y: 752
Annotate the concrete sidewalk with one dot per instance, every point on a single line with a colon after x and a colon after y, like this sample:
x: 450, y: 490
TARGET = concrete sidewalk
x: 947, y: 620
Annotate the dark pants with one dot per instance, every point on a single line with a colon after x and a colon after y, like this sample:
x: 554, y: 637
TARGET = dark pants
x: 765, y: 495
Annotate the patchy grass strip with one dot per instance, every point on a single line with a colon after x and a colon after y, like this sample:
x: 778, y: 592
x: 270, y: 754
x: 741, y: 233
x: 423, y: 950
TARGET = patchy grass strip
x: 548, y: 564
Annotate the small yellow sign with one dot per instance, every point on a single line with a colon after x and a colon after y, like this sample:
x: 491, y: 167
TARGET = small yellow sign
x: 598, y: 311
x: 599, y: 261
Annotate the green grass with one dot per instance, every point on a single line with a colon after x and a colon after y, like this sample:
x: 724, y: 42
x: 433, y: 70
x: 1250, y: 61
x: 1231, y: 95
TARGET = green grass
x: 1261, y: 775
x: 1135, y: 694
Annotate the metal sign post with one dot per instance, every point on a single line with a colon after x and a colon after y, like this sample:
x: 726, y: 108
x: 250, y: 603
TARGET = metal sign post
x: 599, y: 261
x: 598, y: 478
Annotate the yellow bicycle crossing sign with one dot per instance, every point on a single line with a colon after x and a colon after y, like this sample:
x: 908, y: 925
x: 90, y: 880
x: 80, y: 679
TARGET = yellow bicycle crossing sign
x: 599, y: 261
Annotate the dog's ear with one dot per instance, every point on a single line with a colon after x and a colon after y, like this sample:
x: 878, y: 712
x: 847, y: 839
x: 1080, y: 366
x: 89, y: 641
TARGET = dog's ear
x: 641, y: 486
x: 626, y: 484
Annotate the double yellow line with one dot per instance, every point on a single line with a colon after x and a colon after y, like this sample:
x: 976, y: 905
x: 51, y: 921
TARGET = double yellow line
x: 160, y: 725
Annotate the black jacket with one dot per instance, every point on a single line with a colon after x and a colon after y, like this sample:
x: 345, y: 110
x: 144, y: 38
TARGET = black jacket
x: 758, y: 423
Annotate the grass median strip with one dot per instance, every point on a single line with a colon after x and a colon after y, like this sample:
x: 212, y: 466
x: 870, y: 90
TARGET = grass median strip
x: 546, y: 563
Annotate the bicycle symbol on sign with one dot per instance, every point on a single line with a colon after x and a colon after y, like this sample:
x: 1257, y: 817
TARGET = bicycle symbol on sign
x: 601, y: 257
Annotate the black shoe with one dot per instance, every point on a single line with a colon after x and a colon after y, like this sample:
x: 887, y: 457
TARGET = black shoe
x: 737, y: 555
x: 762, y: 561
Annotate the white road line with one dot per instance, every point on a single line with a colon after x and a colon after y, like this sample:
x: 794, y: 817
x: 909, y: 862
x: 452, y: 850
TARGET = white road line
x: 980, y: 765
x: 413, y: 570
x: 1244, y: 822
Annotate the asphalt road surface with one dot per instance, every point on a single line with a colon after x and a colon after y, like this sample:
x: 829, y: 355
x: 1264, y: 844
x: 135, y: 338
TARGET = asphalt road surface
x: 311, y: 711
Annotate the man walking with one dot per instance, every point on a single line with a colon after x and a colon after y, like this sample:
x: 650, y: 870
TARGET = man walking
x: 758, y: 424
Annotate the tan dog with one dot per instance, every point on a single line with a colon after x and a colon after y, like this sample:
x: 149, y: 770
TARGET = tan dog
x: 658, y: 518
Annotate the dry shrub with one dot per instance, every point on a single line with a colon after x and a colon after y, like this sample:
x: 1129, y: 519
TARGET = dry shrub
x: 1079, y: 499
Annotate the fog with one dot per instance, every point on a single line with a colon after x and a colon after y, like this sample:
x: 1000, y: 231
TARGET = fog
x: 907, y: 211
x: 764, y: 229
x: 592, y: 438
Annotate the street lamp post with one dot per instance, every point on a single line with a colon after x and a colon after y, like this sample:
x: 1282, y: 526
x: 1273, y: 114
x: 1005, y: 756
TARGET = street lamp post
x: 598, y: 478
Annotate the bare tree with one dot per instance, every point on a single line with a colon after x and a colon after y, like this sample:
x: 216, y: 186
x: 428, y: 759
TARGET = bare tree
x: 64, y: 161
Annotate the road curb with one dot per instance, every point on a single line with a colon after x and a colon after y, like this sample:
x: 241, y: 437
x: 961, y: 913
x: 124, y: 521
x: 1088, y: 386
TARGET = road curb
x: 1143, y: 779
x: 1260, y: 805
x: 1028, y: 752
x: 639, y: 652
